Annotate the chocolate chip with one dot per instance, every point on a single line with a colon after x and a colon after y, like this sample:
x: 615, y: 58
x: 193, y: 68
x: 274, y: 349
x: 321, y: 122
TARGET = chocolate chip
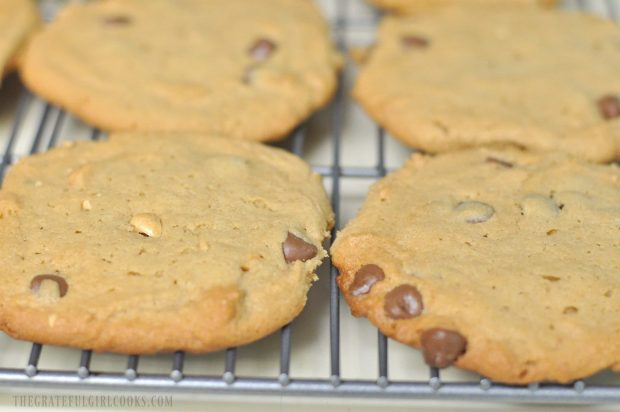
x: 403, y: 302
x: 609, y: 106
x: 365, y: 278
x: 262, y: 49
x: 295, y: 248
x: 441, y: 347
x: 415, y: 42
x: 63, y: 287
x: 500, y: 162
x: 119, y: 20
x: 473, y: 211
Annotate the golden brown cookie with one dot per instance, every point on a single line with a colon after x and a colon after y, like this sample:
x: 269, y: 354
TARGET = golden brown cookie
x: 158, y: 242
x: 500, y: 262
x: 416, y: 6
x: 18, y: 18
x: 459, y: 78
x: 245, y: 69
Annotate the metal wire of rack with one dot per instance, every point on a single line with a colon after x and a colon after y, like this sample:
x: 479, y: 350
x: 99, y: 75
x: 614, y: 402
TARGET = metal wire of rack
x: 46, y: 135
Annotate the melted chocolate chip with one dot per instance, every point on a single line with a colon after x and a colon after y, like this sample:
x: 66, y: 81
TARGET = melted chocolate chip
x: 119, y: 20
x: 415, y: 42
x: 500, y: 162
x: 403, y: 302
x: 441, y: 347
x: 365, y: 279
x: 609, y: 106
x: 262, y: 49
x: 63, y: 287
x: 295, y: 248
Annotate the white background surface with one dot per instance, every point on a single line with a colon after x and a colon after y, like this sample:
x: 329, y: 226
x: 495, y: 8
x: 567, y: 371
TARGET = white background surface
x: 310, y: 333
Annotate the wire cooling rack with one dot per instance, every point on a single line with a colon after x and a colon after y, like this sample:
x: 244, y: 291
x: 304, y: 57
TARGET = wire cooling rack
x: 37, y: 126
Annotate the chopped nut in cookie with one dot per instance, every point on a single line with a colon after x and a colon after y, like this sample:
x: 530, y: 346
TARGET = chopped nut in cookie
x: 147, y: 224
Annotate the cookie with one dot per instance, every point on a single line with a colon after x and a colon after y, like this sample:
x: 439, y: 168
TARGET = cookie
x: 158, y: 242
x: 500, y: 262
x: 18, y: 18
x: 239, y: 68
x: 458, y: 78
x: 415, y: 6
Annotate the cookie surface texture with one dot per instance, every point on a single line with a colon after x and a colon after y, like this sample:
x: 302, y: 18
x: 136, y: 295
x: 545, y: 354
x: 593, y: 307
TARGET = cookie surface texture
x: 161, y: 65
x: 415, y: 6
x: 499, y: 262
x: 18, y: 18
x: 147, y: 242
x: 458, y: 78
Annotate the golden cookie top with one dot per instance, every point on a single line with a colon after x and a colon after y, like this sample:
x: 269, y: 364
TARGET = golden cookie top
x: 209, y: 241
x: 248, y: 69
x: 514, y: 252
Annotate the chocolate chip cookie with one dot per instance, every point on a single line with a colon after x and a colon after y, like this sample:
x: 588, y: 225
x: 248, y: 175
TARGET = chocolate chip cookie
x: 18, y: 18
x: 501, y: 262
x: 414, y: 6
x: 245, y: 69
x: 158, y: 242
x: 465, y: 77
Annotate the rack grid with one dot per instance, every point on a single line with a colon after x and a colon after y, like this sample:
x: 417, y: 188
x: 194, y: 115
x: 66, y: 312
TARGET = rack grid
x: 46, y: 135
